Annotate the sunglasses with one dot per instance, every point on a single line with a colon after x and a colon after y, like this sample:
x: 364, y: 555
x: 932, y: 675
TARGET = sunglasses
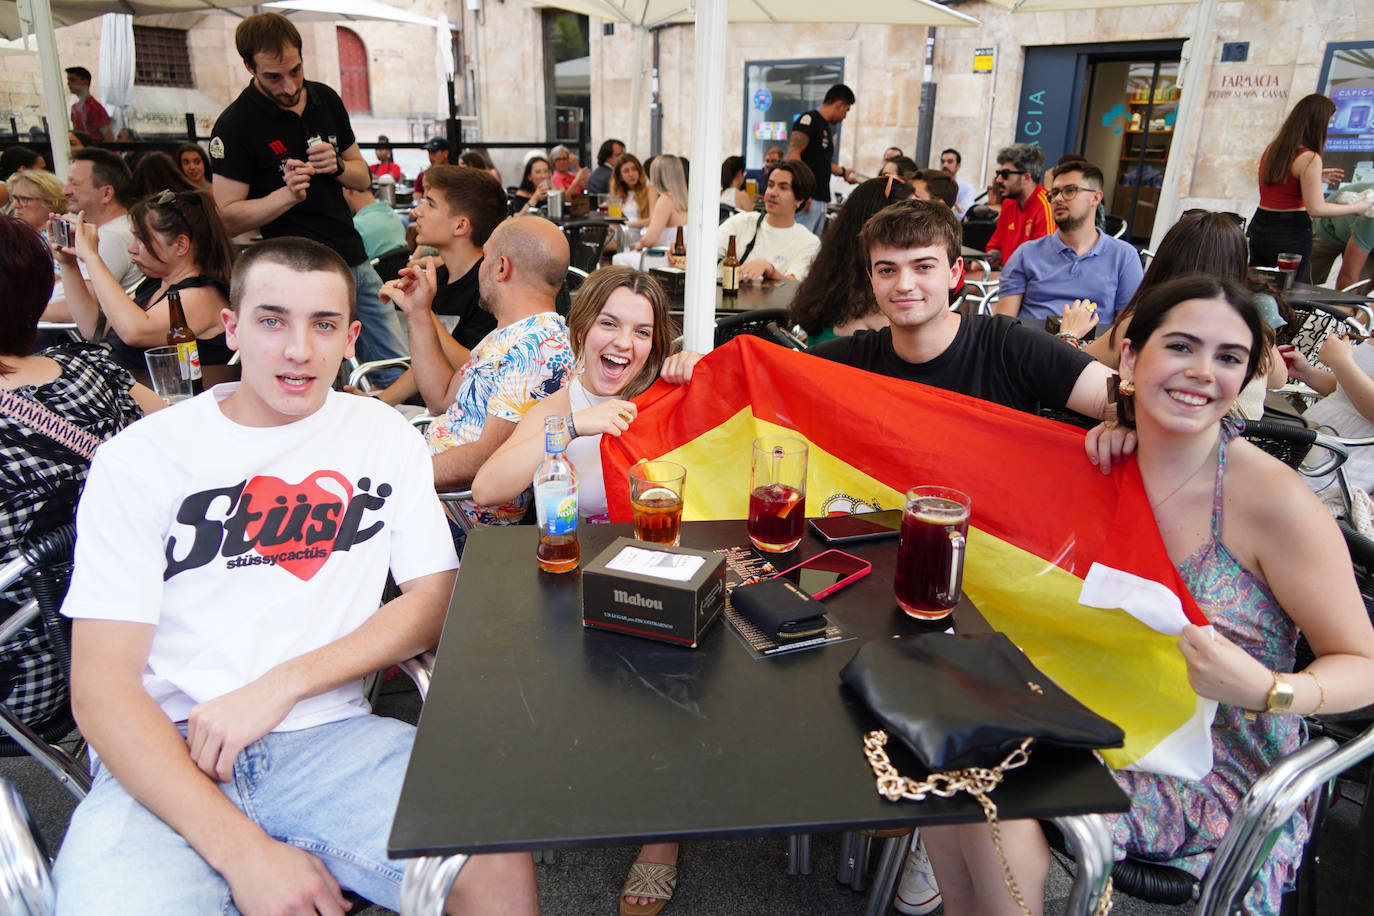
x: 1004, y: 174
x: 172, y: 199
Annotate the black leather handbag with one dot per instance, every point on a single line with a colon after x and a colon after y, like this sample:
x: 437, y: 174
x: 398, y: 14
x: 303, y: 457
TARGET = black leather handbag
x: 964, y: 701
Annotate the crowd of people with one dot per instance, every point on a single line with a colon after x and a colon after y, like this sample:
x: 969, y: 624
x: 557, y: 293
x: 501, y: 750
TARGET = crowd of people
x: 215, y: 643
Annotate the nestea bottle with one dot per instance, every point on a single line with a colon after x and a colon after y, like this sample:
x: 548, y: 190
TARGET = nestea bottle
x: 555, y: 501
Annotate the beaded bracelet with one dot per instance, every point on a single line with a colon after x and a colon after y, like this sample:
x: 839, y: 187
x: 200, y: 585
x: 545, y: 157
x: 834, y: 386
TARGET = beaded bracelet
x: 1072, y: 341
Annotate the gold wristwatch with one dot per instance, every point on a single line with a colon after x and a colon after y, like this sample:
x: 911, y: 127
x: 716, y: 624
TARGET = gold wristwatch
x: 1280, y: 697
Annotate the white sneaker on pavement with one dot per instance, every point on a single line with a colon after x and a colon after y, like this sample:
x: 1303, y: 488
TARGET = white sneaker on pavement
x: 918, y: 893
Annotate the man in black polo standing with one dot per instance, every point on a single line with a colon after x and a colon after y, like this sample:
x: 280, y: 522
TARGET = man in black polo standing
x: 281, y: 154
x: 813, y: 142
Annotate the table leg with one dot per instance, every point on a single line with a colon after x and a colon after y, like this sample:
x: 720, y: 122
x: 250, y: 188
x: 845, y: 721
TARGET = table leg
x: 1091, y: 842
x: 799, y: 854
x: 427, y: 883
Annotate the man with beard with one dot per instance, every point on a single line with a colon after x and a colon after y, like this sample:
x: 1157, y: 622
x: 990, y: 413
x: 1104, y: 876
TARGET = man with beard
x: 1076, y: 262
x: 281, y: 154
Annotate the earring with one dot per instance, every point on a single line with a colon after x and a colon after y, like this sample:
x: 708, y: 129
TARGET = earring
x: 1126, y: 387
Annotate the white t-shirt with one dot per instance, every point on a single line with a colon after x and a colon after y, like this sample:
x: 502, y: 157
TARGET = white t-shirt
x: 249, y: 546
x: 114, y: 239
x: 789, y: 250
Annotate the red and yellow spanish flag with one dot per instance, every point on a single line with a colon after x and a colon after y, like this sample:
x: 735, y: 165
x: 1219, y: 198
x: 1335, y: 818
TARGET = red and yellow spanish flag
x: 1066, y: 561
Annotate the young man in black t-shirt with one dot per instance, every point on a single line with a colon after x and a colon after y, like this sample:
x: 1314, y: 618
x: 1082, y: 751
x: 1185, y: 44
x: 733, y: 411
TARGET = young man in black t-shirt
x: 913, y: 261
x: 461, y: 208
x: 813, y: 142
x: 281, y: 153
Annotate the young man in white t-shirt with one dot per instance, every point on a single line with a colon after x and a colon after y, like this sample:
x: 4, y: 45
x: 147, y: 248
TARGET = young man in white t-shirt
x: 231, y: 559
x: 774, y: 246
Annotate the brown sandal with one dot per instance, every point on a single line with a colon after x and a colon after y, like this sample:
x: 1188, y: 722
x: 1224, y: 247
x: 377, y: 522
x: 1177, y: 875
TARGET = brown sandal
x: 648, y: 879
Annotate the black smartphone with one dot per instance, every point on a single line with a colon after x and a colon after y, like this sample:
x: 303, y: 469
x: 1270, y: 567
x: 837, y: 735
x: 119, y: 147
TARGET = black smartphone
x: 826, y: 573
x: 866, y: 526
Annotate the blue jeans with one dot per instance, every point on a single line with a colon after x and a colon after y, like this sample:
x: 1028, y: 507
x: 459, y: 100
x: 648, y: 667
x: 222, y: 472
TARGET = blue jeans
x: 381, y: 336
x: 330, y: 790
x: 814, y: 218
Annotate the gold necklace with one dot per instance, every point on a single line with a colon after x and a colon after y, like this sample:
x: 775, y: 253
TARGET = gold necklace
x: 1205, y: 461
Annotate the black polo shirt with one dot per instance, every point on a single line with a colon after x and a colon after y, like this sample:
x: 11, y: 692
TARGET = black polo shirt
x: 819, y: 152
x: 251, y: 142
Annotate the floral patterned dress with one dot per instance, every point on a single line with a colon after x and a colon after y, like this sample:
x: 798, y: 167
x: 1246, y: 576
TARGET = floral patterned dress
x: 1180, y: 822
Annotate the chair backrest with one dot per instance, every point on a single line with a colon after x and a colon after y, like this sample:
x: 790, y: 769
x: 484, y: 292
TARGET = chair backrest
x: 26, y: 885
x: 726, y: 211
x: 769, y: 324
x: 586, y: 240
x: 1115, y: 226
x: 389, y: 264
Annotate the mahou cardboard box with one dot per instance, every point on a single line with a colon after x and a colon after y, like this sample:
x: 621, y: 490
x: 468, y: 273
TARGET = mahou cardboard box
x: 672, y: 594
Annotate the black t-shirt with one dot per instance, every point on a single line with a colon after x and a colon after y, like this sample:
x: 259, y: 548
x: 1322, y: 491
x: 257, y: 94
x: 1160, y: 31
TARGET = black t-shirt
x: 819, y: 152
x: 459, y: 301
x: 995, y: 358
x: 251, y: 142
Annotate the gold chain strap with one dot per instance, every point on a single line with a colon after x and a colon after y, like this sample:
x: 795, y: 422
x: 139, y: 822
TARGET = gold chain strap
x: 976, y: 781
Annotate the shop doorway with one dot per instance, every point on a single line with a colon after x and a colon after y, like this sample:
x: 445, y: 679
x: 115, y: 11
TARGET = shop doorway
x: 1114, y: 104
x: 1128, y: 131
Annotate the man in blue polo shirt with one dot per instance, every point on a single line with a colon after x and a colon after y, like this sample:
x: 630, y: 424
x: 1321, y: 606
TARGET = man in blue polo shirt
x: 1075, y: 262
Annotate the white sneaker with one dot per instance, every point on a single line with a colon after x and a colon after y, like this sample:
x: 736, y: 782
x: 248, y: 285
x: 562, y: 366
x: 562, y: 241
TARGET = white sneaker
x: 918, y: 893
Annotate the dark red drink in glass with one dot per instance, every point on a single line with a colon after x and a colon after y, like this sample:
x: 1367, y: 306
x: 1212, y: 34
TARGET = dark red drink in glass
x: 777, y: 517
x: 777, y: 493
x: 930, y: 554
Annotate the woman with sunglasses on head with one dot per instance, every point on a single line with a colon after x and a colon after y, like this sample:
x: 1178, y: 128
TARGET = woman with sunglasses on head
x: 1263, y: 560
x: 836, y: 297
x: 1292, y: 185
x: 179, y: 245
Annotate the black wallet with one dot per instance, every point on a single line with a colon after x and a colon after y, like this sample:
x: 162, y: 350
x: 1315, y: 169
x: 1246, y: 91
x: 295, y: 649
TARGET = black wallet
x: 780, y: 609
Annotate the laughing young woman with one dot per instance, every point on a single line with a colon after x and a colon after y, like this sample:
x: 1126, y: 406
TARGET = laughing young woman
x: 620, y: 334
x: 1263, y: 560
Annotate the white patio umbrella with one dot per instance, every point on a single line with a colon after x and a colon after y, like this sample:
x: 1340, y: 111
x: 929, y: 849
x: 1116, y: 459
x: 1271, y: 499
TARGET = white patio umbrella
x: 1199, y: 47
x: 708, y: 88
x: 116, y: 88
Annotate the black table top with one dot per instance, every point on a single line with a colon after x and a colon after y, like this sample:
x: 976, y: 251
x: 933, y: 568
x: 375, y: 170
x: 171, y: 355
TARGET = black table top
x: 771, y: 294
x: 540, y: 734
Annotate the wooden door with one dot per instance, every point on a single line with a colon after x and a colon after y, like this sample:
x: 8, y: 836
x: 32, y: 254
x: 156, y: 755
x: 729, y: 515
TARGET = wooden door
x: 353, y: 84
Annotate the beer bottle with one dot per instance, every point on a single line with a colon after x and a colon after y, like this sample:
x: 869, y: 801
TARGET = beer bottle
x: 677, y: 255
x: 729, y: 270
x: 180, y: 335
x: 555, y: 501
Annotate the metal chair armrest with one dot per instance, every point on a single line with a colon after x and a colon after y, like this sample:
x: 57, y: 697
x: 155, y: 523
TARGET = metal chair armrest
x: 26, y: 884
x: 453, y: 498
x: 363, y: 370
x: 419, y: 669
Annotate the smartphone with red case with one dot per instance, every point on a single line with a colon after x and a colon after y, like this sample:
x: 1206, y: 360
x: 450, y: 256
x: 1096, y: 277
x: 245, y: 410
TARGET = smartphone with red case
x: 826, y: 573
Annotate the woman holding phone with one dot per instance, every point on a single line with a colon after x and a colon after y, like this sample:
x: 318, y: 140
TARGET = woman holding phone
x: 1263, y: 560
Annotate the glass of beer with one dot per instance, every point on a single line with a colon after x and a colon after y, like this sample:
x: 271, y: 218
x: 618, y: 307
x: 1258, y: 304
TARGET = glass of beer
x: 656, y: 498
x: 777, y: 493
x: 1288, y: 264
x: 614, y: 207
x: 751, y: 187
x: 930, y: 554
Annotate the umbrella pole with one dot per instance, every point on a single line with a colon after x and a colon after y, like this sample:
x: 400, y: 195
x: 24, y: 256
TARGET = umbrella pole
x: 1198, y: 50
x: 36, y: 16
x: 708, y: 92
x: 636, y: 88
